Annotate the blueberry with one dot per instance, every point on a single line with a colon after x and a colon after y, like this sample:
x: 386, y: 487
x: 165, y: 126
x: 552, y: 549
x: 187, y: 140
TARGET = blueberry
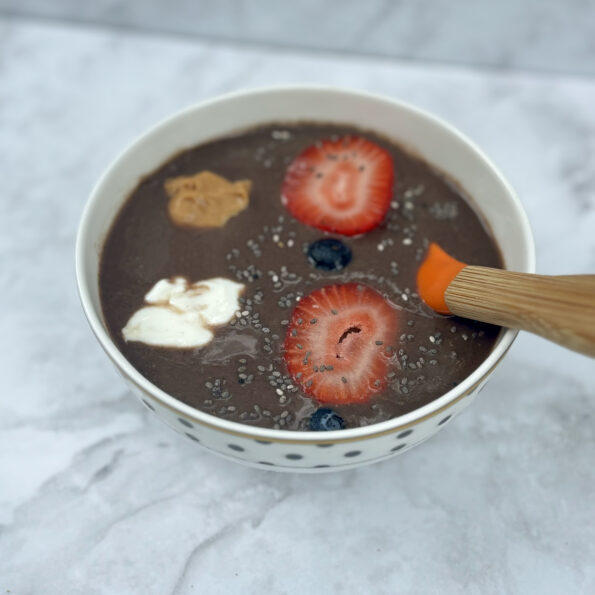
x: 323, y: 420
x: 329, y: 254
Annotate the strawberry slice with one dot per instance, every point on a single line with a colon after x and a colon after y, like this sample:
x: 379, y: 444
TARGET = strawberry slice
x: 343, y: 186
x: 339, y: 343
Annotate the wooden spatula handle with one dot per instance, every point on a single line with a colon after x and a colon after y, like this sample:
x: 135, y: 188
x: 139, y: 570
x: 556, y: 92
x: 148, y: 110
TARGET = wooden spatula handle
x: 561, y: 309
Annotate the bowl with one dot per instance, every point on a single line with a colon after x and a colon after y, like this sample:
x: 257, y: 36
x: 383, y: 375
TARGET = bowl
x: 422, y: 133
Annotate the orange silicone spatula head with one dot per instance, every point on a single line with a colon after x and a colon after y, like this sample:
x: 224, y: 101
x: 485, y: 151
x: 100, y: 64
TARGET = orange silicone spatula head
x: 435, y: 275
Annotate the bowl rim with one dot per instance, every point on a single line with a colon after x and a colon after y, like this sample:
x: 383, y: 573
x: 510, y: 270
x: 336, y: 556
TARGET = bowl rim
x: 395, y: 424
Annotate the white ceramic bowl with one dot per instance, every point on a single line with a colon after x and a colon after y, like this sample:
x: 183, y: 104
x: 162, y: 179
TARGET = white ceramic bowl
x: 428, y: 136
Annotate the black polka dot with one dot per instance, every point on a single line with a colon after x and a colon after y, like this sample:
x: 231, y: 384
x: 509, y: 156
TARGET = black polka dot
x: 262, y: 441
x: 398, y: 447
x: 405, y: 434
x: 294, y: 457
x: 185, y: 422
x: 148, y: 405
x: 445, y: 420
x: 324, y: 445
x: 321, y: 466
x: 353, y: 453
x: 265, y: 463
x: 192, y: 437
x: 235, y: 447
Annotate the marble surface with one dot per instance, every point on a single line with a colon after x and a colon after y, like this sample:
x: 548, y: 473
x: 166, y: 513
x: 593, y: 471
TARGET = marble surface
x: 97, y: 497
x: 544, y: 35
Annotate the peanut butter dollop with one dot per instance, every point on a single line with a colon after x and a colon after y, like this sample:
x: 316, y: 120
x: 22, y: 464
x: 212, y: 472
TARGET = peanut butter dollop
x: 206, y: 199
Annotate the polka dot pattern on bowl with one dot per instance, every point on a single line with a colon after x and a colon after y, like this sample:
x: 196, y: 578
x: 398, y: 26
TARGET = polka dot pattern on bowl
x: 307, y: 455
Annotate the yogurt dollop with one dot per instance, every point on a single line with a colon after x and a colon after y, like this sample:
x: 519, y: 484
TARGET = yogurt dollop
x: 181, y: 314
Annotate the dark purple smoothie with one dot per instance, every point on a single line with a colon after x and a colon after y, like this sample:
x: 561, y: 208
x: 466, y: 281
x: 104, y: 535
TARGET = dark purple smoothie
x: 241, y: 375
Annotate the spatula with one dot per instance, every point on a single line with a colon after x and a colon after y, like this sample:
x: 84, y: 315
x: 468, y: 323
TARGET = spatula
x: 558, y: 308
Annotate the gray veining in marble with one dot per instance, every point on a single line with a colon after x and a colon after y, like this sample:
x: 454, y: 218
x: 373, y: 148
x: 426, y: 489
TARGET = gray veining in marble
x: 528, y: 34
x: 97, y: 497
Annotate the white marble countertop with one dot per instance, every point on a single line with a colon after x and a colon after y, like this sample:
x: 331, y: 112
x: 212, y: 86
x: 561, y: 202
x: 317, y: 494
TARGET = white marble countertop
x: 98, y: 497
